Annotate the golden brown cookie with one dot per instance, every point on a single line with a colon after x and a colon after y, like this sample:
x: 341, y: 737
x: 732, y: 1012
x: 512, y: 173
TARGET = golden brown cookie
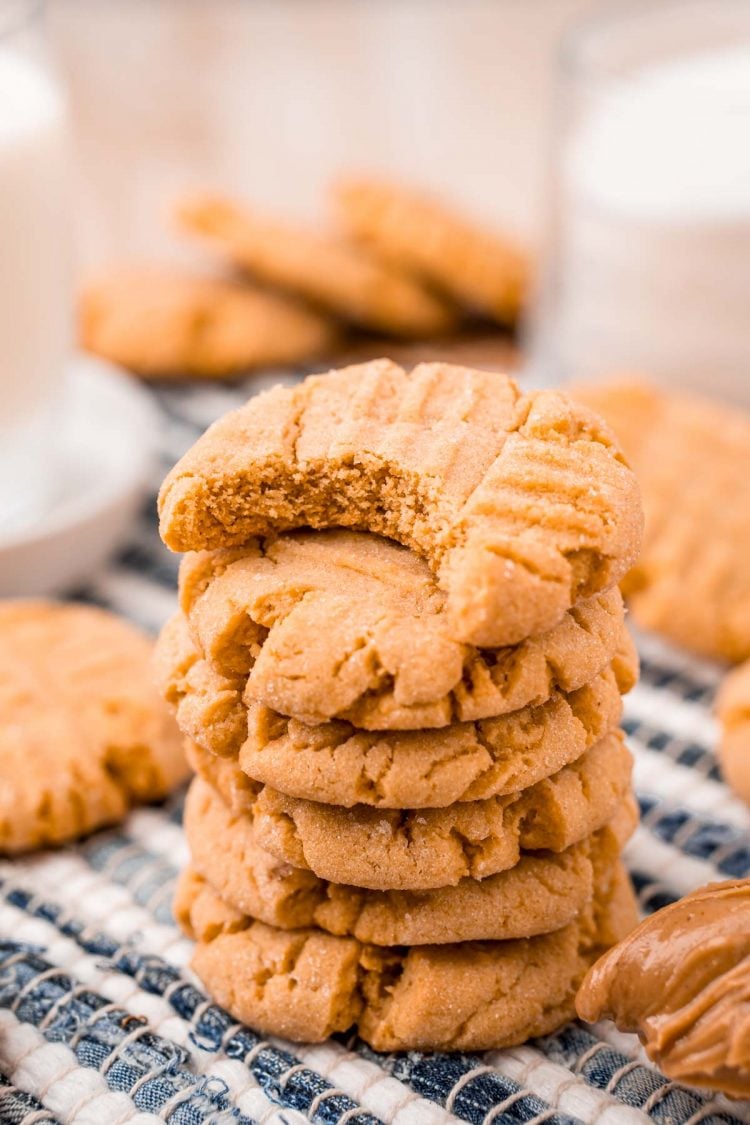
x: 238, y: 791
x: 681, y: 980
x: 343, y: 625
x: 485, y: 271
x: 331, y: 273
x: 543, y: 892
x: 733, y: 711
x: 337, y: 764
x: 307, y: 984
x: 207, y: 705
x: 521, y: 504
x: 425, y: 848
x: 692, y: 457
x: 84, y: 734
x: 162, y: 323
x: 422, y: 849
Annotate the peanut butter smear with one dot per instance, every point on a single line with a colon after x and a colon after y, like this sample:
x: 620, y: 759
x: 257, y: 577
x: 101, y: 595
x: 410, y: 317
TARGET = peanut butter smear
x: 681, y: 980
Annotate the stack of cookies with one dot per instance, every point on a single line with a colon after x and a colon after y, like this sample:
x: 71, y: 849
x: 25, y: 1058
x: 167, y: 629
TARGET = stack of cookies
x: 411, y: 792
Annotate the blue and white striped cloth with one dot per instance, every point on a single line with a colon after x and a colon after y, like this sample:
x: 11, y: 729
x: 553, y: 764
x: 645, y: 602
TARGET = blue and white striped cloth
x: 102, y: 1023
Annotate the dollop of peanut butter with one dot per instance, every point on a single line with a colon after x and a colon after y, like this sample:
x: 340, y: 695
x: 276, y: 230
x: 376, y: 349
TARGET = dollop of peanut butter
x: 681, y: 980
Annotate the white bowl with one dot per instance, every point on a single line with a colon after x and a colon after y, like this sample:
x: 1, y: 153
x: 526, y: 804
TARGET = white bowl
x: 108, y: 450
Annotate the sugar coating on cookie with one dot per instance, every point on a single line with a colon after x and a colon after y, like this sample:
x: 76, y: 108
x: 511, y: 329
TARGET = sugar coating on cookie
x: 337, y: 764
x: 332, y: 274
x: 428, y: 848
x: 85, y: 734
x: 692, y: 458
x: 733, y: 712
x: 343, y: 625
x: 161, y: 323
x: 306, y: 984
x: 208, y: 706
x: 521, y: 504
x: 483, y: 270
x: 422, y: 849
x: 542, y: 893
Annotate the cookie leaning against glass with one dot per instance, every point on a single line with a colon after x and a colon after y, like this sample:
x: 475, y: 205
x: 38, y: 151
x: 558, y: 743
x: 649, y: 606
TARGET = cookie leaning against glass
x: 480, y: 269
x: 391, y: 804
x: 323, y: 269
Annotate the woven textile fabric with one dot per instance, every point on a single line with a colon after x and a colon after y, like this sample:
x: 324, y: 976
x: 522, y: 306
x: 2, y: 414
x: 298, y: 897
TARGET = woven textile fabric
x: 101, y: 1021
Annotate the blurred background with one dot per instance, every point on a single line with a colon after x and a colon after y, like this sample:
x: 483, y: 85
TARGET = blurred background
x: 562, y: 191
x: 271, y: 98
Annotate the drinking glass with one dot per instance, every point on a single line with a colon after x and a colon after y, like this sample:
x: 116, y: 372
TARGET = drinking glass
x: 35, y: 265
x: 648, y: 247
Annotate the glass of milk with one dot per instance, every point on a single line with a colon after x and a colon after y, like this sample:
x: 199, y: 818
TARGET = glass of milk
x: 35, y: 266
x: 648, y: 257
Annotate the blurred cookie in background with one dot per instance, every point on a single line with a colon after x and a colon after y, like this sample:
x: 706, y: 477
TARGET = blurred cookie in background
x: 469, y: 347
x: 483, y: 271
x: 692, y: 458
x: 84, y: 735
x: 163, y: 323
x: 733, y: 712
x: 295, y: 296
x: 334, y: 275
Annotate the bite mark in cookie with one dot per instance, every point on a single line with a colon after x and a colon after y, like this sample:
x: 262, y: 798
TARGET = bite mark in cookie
x: 521, y: 504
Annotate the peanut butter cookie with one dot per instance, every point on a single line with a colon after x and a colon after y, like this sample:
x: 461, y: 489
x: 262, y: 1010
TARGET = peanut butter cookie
x: 487, y: 272
x: 423, y: 849
x: 306, y: 984
x: 161, y: 323
x: 84, y: 733
x: 692, y: 457
x: 543, y: 892
x: 342, y: 625
x: 681, y: 980
x: 331, y: 273
x: 521, y: 504
x: 208, y: 705
x: 337, y: 764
